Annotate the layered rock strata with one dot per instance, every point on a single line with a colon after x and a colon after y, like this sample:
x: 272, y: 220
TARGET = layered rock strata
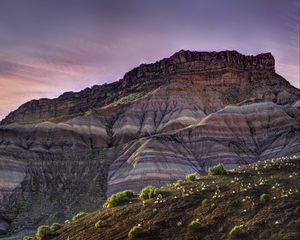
x: 161, y: 121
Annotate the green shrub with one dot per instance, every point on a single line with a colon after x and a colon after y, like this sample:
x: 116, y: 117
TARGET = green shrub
x: 264, y: 197
x: 217, y: 170
x: 27, y: 238
x: 191, y: 176
x: 55, y: 226
x: 204, y: 202
x: 178, y: 183
x: 118, y: 198
x: 100, y: 224
x: 150, y: 192
x: 136, y: 232
x: 79, y: 215
x: 236, y: 232
x: 195, y: 225
x: 67, y: 221
x: 44, y: 232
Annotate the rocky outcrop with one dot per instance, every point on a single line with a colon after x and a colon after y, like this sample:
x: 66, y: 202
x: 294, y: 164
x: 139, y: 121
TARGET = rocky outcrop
x: 161, y: 121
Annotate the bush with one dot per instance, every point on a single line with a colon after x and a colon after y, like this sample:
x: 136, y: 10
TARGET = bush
x: 150, y: 192
x: 191, y: 176
x: 44, y: 232
x: 204, y: 202
x: 27, y: 238
x: 195, y: 225
x: 178, y: 183
x: 264, y: 197
x: 118, y: 198
x: 217, y: 170
x: 100, y: 224
x: 136, y: 232
x: 79, y: 215
x: 236, y: 232
x: 55, y: 226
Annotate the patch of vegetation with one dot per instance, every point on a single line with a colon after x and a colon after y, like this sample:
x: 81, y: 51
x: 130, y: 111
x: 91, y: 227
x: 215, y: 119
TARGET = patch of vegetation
x: 236, y: 232
x: 27, y: 238
x: 118, y: 198
x: 150, y: 192
x: 178, y: 183
x: 126, y: 99
x: 55, y: 226
x: 79, y: 215
x: 195, y: 225
x: 136, y: 232
x: 191, y: 176
x: 218, y: 169
x: 44, y: 232
x: 204, y: 202
x: 264, y: 197
x: 100, y: 224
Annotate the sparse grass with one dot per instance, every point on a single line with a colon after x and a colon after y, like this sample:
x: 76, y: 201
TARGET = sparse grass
x: 100, y: 224
x: 150, y: 192
x: 118, y: 198
x: 136, y: 232
x: 264, y: 198
x: 191, y: 176
x: 218, y: 169
x: 79, y: 215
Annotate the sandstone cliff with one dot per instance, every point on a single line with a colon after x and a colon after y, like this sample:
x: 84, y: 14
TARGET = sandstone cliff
x: 204, y: 68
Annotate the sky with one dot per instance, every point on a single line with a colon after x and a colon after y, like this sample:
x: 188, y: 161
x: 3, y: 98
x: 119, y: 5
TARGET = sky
x: 48, y: 47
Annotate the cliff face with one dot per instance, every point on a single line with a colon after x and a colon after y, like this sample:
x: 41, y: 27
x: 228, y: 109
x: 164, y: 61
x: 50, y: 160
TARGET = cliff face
x: 196, y: 64
x: 161, y: 121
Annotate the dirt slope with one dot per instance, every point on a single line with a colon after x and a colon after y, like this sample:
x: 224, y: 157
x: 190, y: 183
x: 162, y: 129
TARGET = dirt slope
x: 233, y: 199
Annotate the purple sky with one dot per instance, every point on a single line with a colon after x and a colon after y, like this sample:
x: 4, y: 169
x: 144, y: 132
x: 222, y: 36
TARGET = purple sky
x: 49, y: 47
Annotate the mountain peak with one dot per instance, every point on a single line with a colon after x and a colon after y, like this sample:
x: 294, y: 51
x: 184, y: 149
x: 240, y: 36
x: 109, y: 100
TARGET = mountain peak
x: 222, y: 68
x: 186, y: 61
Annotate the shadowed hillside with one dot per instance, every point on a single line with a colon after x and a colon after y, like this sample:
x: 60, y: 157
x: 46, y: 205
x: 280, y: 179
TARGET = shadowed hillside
x: 259, y: 201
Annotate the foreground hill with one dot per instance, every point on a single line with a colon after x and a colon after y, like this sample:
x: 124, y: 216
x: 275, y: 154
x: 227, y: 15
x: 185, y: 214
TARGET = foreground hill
x: 263, y: 199
x: 159, y: 122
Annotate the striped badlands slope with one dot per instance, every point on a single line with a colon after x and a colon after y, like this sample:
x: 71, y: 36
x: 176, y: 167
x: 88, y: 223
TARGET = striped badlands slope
x: 235, y: 135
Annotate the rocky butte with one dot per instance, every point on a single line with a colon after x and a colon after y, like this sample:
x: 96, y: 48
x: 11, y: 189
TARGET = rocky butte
x: 159, y: 122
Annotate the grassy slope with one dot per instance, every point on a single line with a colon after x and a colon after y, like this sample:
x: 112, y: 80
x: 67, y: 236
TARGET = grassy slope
x: 236, y: 202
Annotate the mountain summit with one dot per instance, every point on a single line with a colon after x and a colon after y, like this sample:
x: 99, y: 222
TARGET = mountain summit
x: 204, y: 68
x: 158, y: 123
